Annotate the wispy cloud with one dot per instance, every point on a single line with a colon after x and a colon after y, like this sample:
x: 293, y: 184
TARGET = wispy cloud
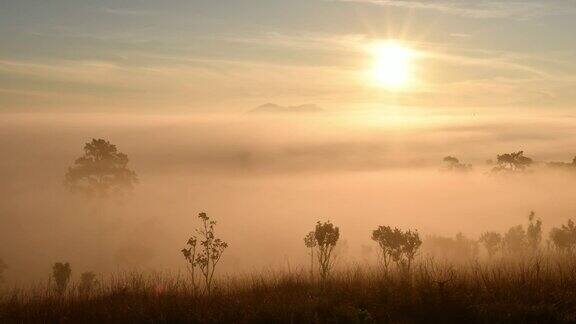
x: 516, y: 9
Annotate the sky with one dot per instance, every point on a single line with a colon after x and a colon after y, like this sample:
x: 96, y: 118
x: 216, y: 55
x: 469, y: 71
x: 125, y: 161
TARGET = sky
x: 190, y: 56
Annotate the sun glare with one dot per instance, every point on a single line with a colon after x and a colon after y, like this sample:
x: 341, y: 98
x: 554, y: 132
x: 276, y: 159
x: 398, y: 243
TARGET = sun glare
x: 392, y: 65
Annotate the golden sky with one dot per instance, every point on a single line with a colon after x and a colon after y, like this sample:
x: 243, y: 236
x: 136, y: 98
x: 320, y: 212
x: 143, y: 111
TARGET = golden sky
x: 230, y: 56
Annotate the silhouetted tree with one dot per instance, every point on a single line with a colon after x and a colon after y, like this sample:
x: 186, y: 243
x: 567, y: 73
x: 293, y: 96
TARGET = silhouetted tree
x: 411, y: 242
x: 310, y: 242
x: 492, y: 241
x: 387, y: 243
x: 456, y: 249
x: 87, y: 282
x: 534, y: 232
x: 512, y: 162
x: 207, y: 254
x: 564, y: 237
x: 515, y: 241
x: 61, y: 273
x: 400, y: 247
x: 326, y: 236
x: 100, y: 171
x: 453, y: 164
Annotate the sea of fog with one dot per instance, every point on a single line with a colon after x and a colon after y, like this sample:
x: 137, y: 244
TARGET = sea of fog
x: 267, y: 180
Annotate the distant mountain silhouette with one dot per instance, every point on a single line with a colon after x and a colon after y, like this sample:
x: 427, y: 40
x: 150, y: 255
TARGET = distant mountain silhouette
x: 274, y: 108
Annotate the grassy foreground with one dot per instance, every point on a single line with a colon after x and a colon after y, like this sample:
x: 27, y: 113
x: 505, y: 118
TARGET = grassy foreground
x: 535, y: 291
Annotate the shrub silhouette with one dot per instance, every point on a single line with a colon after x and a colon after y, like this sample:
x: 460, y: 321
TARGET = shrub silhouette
x: 492, y: 242
x: 397, y: 246
x: 534, y: 233
x: 457, y: 249
x: 204, y: 252
x: 453, y: 164
x: 87, y: 282
x: 310, y: 242
x: 512, y: 162
x: 564, y: 237
x: 325, y: 236
x: 387, y: 243
x: 61, y: 273
x: 515, y: 241
x: 102, y: 170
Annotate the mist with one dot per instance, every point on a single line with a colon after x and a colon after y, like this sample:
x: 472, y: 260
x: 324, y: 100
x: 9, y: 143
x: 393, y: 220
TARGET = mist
x: 267, y: 180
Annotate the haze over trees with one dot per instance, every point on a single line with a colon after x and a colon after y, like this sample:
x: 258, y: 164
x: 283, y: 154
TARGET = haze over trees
x: 61, y: 273
x: 563, y: 238
x: 512, y: 162
x: 101, y: 172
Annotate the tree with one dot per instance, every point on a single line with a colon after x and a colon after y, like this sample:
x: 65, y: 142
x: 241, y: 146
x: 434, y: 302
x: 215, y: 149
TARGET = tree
x: 453, y: 164
x: 310, y: 242
x: 387, y: 243
x: 61, y: 273
x: 456, y: 249
x: 564, y: 238
x: 492, y: 241
x: 326, y: 236
x: 206, y: 255
x: 515, y: 161
x: 410, y: 244
x: 534, y: 232
x: 515, y: 241
x: 87, y: 282
x: 102, y: 170
x: 397, y: 246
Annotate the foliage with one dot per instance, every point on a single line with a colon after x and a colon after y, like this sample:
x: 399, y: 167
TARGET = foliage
x: 492, y: 242
x: 61, y: 273
x: 515, y: 241
x: 204, y: 252
x: 453, y: 164
x: 534, y: 232
x: 310, y: 242
x: 397, y: 246
x: 87, y: 282
x: 515, y: 161
x: 457, y: 249
x: 102, y: 170
x: 564, y: 238
x: 495, y: 292
x: 326, y: 236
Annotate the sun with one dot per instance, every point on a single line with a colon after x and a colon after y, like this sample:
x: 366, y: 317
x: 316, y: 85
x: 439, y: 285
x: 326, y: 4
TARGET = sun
x: 392, y: 65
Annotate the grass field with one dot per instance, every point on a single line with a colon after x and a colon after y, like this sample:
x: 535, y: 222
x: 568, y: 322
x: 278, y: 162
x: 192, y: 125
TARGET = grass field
x: 531, y: 290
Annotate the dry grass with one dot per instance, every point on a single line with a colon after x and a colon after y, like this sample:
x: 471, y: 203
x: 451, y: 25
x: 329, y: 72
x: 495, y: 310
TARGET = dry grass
x: 541, y: 290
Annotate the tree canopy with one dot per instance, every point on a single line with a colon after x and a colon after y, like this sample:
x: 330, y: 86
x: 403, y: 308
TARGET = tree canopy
x: 101, y: 170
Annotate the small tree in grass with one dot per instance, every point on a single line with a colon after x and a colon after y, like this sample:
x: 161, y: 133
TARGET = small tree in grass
x: 204, y: 252
x: 384, y: 236
x: 61, y: 272
x: 87, y: 282
x: 492, y: 241
x: 397, y: 246
x: 534, y: 233
x: 310, y: 242
x: 564, y: 237
x: 324, y: 238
